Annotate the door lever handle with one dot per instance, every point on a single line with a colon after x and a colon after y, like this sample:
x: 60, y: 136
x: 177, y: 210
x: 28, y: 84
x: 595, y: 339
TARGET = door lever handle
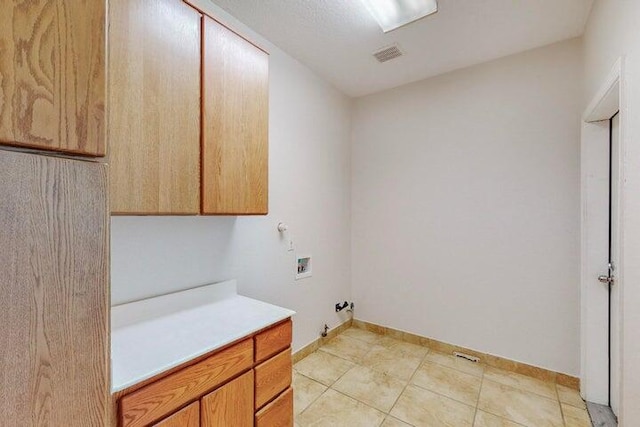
x: 605, y: 279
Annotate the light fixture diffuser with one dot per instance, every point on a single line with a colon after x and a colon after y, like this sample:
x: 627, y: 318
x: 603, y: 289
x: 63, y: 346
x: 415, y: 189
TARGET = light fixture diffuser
x: 392, y: 14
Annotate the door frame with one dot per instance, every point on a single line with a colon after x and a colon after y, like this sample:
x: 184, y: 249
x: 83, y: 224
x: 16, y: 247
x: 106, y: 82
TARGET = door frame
x: 608, y: 100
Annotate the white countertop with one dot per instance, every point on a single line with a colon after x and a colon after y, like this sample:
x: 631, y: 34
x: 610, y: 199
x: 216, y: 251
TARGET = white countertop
x: 153, y: 335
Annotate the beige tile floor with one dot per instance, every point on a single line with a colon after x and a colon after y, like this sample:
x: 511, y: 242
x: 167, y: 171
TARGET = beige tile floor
x: 363, y: 379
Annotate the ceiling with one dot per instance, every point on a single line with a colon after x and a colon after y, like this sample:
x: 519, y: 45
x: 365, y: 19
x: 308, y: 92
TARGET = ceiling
x: 336, y: 38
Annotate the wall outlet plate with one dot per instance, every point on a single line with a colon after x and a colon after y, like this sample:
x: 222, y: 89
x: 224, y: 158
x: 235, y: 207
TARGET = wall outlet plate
x: 303, y: 266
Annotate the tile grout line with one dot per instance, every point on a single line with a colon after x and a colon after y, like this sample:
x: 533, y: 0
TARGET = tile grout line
x: 484, y: 367
x: 409, y: 383
x: 564, y: 421
x: 309, y: 405
x: 518, y: 390
x: 475, y: 414
x: 423, y: 360
x: 386, y: 413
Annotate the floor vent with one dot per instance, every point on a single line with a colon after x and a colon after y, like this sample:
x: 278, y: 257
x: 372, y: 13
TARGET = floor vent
x: 388, y: 53
x: 466, y: 357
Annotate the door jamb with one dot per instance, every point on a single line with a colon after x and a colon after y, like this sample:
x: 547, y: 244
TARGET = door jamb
x: 607, y: 101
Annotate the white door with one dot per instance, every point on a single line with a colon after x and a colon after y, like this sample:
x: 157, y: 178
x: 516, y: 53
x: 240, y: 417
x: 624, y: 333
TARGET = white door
x: 614, y: 258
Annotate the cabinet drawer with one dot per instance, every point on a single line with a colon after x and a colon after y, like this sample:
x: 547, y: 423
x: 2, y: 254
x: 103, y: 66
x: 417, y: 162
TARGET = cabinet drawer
x: 187, y: 417
x: 273, y: 340
x: 157, y: 400
x: 272, y: 377
x: 278, y: 413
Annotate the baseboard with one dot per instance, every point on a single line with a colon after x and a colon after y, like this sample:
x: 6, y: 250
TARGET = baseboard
x: 485, y: 358
x: 316, y: 344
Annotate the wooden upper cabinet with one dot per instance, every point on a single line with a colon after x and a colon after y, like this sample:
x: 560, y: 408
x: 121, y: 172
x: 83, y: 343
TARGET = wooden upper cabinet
x: 235, y: 123
x: 52, y: 75
x: 154, y: 101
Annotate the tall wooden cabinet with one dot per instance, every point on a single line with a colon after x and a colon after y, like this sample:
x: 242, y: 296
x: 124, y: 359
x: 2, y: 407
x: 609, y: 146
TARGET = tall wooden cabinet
x: 52, y: 75
x: 54, y: 221
x: 154, y: 116
x: 235, y: 123
x: 54, y: 291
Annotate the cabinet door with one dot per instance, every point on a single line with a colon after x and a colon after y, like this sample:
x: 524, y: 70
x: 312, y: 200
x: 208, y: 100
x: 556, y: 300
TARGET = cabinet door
x: 235, y: 127
x: 187, y: 417
x: 230, y: 405
x: 52, y: 75
x: 54, y: 291
x: 154, y: 99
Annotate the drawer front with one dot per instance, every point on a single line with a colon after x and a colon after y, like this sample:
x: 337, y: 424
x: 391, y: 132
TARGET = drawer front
x: 272, y: 377
x: 278, y: 413
x: 161, y: 398
x: 273, y: 340
x: 187, y: 417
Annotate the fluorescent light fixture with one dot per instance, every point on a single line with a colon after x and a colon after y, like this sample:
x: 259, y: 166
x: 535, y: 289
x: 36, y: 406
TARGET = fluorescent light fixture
x: 392, y: 14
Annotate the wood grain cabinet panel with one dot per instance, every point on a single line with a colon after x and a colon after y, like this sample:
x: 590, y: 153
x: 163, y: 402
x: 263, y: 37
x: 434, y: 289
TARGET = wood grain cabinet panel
x: 235, y: 123
x: 52, y: 75
x: 154, y: 98
x: 273, y: 340
x: 157, y: 400
x: 230, y: 405
x: 273, y: 377
x: 278, y: 413
x: 187, y: 417
x: 54, y: 291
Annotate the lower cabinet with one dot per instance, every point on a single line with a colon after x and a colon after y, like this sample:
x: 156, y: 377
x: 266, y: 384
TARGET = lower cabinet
x: 245, y: 384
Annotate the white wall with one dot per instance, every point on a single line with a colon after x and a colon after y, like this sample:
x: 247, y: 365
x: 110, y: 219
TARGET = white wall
x: 613, y: 31
x: 465, y: 191
x: 309, y: 189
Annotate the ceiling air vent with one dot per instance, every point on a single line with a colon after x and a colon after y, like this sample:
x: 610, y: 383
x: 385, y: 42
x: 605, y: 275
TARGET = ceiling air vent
x: 388, y: 53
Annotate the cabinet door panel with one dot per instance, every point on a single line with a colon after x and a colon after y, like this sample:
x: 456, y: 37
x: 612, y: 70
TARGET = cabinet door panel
x: 154, y: 98
x: 230, y: 405
x: 187, y: 417
x: 52, y: 75
x: 54, y: 291
x: 235, y: 127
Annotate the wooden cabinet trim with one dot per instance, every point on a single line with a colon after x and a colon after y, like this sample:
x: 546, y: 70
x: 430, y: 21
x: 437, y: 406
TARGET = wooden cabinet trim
x: 273, y: 376
x: 151, y: 403
x: 273, y: 340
